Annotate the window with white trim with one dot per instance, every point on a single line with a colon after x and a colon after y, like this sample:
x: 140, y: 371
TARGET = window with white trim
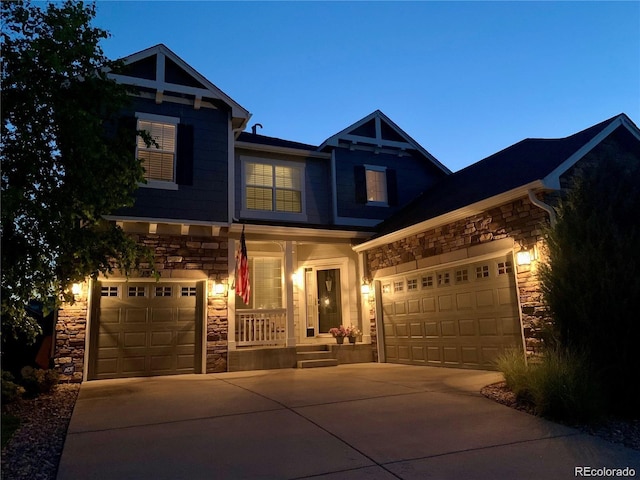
x: 159, y: 161
x: 276, y: 187
x: 266, y: 279
x: 376, y: 178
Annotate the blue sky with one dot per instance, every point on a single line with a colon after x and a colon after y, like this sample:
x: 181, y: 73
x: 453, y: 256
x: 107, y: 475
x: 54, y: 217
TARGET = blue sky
x: 464, y: 79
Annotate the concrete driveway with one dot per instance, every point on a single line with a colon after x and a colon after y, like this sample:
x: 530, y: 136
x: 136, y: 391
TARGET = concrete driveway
x: 363, y: 421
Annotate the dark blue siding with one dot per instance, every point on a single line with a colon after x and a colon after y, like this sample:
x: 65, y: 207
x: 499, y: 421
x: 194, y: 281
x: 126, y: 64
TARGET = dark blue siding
x: 207, y: 198
x: 414, y: 174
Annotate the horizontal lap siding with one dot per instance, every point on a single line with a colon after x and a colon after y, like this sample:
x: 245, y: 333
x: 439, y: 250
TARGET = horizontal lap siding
x: 207, y: 198
x: 413, y: 176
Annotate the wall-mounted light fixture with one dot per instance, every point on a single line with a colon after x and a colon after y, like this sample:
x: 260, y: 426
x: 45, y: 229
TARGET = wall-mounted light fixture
x: 365, y: 289
x: 526, y: 256
x: 218, y: 288
x: 76, y: 289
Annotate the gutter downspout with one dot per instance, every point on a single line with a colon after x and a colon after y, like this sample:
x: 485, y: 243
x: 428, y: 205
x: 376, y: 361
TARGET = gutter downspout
x: 544, y: 206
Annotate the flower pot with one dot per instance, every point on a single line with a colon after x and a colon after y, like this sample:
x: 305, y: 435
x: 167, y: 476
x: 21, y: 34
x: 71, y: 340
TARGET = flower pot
x: 339, y: 340
x: 352, y: 339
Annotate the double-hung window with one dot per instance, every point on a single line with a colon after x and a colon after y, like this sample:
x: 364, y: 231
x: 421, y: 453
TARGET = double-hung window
x: 376, y: 178
x: 266, y: 284
x: 273, y: 189
x: 159, y: 160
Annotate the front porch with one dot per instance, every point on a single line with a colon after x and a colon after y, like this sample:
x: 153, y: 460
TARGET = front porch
x: 268, y: 358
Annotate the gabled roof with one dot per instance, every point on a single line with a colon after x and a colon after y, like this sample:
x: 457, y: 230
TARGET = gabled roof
x: 532, y: 161
x: 379, y: 131
x: 159, y: 69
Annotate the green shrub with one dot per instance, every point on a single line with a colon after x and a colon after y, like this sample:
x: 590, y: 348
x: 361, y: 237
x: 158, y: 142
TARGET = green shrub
x: 37, y: 380
x: 590, y: 282
x: 10, y: 390
x: 564, y: 388
x: 516, y: 373
x: 559, y: 386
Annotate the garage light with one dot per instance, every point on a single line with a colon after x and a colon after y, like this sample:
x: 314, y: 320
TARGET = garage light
x: 218, y: 288
x: 76, y: 289
x: 523, y: 257
x: 365, y: 289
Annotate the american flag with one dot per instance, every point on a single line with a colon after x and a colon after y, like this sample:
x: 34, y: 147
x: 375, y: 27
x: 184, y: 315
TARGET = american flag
x: 243, y: 288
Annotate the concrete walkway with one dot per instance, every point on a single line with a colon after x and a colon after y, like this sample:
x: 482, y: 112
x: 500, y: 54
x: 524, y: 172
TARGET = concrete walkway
x: 363, y: 421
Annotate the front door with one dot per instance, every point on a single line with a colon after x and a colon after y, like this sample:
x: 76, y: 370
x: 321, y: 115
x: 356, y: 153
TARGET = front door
x: 324, y: 300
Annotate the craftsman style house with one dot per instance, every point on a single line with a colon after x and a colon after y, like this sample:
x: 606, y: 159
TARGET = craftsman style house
x: 438, y: 272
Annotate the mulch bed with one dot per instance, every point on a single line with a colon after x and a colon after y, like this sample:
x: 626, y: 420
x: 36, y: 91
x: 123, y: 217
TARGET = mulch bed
x: 622, y: 431
x: 34, y: 450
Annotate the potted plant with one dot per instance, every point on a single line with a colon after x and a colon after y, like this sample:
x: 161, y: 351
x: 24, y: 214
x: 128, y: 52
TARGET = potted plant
x: 338, y: 333
x: 353, y: 333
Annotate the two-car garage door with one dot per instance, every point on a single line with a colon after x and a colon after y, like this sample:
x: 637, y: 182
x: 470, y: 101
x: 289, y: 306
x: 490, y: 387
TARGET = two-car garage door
x: 145, y: 328
x: 461, y: 316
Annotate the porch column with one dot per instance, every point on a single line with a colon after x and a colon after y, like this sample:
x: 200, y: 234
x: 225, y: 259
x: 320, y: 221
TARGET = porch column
x: 231, y: 295
x: 289, y: 270
x: 365, y: 306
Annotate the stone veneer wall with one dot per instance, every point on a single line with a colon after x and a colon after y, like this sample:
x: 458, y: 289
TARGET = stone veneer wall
x: 175, y: 256
x: 520, y: 220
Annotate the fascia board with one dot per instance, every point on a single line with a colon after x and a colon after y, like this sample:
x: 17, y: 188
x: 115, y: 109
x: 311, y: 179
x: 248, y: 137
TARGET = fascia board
x: 553, y: 178
x: 333, y: 139
x: 284, y: 150
x: 284, y: 231
x: 453, y: 216
x: 169, y: 221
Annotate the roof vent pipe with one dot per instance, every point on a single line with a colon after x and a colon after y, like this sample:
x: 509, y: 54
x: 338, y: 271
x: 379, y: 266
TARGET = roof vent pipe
x: 255, y: 126
x: 544, y: 206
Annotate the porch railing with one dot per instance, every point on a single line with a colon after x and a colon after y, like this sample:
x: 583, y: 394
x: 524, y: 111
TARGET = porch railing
x: 261, y: 327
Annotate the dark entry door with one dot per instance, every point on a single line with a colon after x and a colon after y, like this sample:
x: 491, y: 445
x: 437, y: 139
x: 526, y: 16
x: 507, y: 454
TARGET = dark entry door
x: 329, y: 299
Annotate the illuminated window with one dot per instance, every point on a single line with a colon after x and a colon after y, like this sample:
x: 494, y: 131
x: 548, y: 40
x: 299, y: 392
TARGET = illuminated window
x: 376, y: 184
x: 266, y: 284
x: 158, y: 160
x: 274, y: 187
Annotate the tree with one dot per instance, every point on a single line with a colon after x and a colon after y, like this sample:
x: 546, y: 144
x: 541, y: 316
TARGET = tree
x: 591, y: 282
x: 66, y: 161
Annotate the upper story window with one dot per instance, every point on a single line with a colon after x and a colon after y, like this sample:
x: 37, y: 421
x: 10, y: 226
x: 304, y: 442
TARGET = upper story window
x: 376, y: 178
x: 159, y: 161
x: 273, y: 189
x: 375, y: 185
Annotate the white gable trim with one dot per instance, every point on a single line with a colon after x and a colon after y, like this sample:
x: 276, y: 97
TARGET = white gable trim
x: 378, y: 141
x: 162, y: 51
x: 553, y: 178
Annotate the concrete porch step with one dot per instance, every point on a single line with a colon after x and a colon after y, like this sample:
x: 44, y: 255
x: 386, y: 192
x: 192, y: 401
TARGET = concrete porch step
x: 326, y: 362
x: 314, y: 355
x: 311, y: 348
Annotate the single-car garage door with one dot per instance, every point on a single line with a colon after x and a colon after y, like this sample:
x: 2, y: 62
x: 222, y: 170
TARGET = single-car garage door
x: 461, y: 316
x: 145, y: 328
